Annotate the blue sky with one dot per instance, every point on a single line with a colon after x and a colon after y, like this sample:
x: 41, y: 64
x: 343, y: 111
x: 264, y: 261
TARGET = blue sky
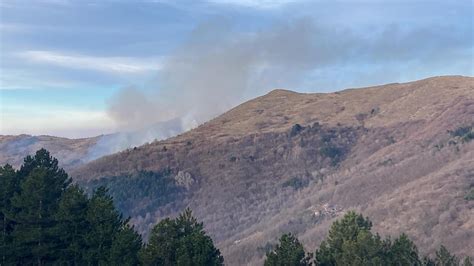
x: 66, y: 67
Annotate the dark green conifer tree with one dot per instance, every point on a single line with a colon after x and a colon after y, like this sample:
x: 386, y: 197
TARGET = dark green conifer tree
x: 8, y: 186
x: 45, y: 220
x: 427, y: 261
x: 288, y: 252
x: 403, y: 252
x: 73, y: 226
x: 350, y: 242
x: 365, y: 249
x: 345, y: 230
x: 181, y: 241
x: 42, y: 184
x: 125, y: 246
x: 105, y: 222
x: 161, y: 247
x: 467, y: 261
x: 445, y: 258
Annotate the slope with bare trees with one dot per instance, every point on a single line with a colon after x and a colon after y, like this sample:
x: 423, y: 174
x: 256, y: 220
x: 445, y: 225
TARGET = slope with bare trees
x: 291, y: 162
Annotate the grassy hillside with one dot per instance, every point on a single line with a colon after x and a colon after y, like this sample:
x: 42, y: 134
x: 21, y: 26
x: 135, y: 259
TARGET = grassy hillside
x: 292, y: 162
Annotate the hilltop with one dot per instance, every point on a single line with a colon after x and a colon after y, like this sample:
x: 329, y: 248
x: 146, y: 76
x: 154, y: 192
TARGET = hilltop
x: 293, y: 162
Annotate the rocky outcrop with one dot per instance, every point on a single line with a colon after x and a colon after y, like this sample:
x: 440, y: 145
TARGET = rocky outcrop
x: 184, y: 179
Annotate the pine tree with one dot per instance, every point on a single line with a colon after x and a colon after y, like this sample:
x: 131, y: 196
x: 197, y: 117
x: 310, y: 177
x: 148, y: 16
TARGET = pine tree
x: 105, y: 222
x: 404, y: 252
x: 195, y: 247
x: 366, y: 249
x: 161, y: 247
x: 43, y: 160
x: 41, y: 187
x: 181, y: 241
x: 427, y: 261
x: 445, y: 258
x: 125, y: 246
x: 344, y: 230
x: 72, y: 226
x: 45, y: 220
x: 288, y: 252
x: 467, y: 261
x: 8, y: 186
x: 350, y: 242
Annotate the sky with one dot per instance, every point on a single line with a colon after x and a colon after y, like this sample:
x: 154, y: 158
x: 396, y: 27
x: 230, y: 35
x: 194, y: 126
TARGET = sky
x: 85, y: 68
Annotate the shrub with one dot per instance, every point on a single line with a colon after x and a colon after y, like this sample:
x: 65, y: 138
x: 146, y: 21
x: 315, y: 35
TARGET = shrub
x: 465, y: 133
x: 332, y: 152
x: 296, y: 183
x: 461, y: 131
x: 297, y: 128
x: 470, y: 195
x: 468, y: 137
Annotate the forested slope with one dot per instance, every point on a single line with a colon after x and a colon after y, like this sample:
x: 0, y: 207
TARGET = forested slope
x: 289, y: 162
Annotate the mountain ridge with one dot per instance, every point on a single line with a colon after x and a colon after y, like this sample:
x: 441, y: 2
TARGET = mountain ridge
x: 245, y: 117
x: 269, y: 165
x: 70, y: 152
x: 294, y: 162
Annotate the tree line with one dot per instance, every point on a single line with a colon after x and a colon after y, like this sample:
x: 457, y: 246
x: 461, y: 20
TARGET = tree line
x: 351, y: 242
x: 48, y: 220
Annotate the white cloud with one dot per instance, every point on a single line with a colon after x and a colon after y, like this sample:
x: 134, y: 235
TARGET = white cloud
x: 19, y: 79
x: 116, y: 65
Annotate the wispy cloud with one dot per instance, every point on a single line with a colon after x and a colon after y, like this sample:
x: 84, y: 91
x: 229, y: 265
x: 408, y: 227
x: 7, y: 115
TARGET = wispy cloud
x: 220, y: 67
x: 117, y: 65
x: 259, y: 4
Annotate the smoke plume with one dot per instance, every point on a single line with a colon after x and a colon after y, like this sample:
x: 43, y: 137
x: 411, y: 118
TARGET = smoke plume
x: 218, y: 68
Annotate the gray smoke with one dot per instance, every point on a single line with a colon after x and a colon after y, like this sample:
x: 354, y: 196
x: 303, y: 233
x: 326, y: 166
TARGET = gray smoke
x: 108, y: 144
x: 218, y: 68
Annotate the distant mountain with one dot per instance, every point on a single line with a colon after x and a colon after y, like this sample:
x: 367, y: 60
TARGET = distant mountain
x: 74, y: 152
x: 70, y: 152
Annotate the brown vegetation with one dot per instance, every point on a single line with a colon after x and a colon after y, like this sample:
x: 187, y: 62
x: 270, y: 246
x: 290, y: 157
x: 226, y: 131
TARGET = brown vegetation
x: 291, y: 162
